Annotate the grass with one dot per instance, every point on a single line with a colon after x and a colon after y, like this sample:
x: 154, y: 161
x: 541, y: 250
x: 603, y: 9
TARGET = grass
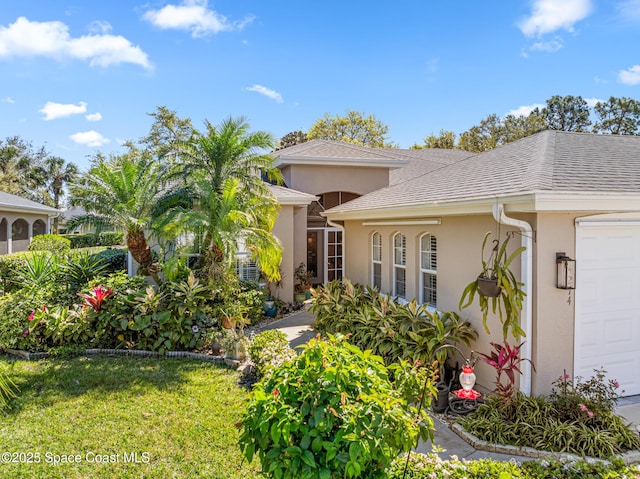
x: 175, y: 417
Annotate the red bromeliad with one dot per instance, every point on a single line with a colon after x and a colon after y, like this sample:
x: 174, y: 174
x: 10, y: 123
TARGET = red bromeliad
x: 505, y: 359
x: 96, y: 299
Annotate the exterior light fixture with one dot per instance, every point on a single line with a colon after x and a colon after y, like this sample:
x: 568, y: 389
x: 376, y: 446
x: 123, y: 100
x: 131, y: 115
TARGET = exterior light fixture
x: 565, y: 272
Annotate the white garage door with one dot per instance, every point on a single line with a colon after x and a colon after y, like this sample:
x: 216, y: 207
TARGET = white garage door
x: 608, y: 302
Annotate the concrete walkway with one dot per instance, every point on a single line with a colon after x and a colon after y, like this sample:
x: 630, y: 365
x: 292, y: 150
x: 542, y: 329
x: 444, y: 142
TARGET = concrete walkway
x: 299, y: 330
x: 298, y: 327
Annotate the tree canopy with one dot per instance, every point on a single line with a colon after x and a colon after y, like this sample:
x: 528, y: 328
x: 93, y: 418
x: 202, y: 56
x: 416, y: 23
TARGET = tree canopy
x: 355, y: 127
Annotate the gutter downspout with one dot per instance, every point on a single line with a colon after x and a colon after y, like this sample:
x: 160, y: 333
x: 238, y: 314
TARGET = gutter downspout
x: 341, y: 228
x: 526, y: 275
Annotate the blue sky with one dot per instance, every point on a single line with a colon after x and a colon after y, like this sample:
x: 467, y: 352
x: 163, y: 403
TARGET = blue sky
x: 80, y: 77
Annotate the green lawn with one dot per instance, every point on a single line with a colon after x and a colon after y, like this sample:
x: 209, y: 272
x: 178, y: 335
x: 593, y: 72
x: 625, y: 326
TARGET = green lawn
x: 176, y: 418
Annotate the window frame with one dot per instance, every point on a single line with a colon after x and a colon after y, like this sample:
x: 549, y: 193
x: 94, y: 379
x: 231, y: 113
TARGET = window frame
x: 376, y: 260
x: 430, y: 269
x: 400, y: 266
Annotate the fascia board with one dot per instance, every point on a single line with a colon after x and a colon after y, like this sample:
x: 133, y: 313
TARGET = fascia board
x: 336, y: 161
x: 26, y: 209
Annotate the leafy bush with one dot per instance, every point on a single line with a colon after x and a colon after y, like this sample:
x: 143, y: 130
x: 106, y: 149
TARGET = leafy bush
x: 269, y: 349
x: 584, y: 399
x: 331, y: 412
x: 536, y: 422
x: 38, y: 269
x: 390, y: 329
x: 176, y: 317
x: 15, y: 308
x: 10, y: 264
x: 114, y: 260
x: 80, y: 268
x: 55, y: 244
x: 429, y: 466
x: 252, y: 296
x: 105, y: 238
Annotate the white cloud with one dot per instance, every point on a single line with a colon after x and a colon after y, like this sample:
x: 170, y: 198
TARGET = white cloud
x: 630, y: 76
x: 8, y: 99
x: 550, y: 46
x: 93, y: 116
x: 89, y: 138
x: 25, y: 38
x: 193, y: 15
x: 268, y: 92
x: 592, y: 101
x: 525, y: 109
x: 550, y: 15
x: 53, y: 110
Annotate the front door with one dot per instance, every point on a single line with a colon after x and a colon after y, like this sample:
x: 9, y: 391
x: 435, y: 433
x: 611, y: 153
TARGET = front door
x: 324, y: 254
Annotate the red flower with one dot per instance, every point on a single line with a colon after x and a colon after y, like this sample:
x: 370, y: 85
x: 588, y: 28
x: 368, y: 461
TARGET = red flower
x: 96, y: 299
x: 32, y: 316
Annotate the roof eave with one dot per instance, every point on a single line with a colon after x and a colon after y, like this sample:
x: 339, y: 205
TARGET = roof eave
x: 337, y: 161
x: 27, y: 209
x: 529, y: 202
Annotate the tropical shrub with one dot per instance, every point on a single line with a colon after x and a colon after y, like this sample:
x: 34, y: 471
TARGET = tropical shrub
x: 15, y: 308
x: 38, y: 269
x: 7, y: 390
x: 52, y: 243
x: 536, y: 422
x: 331, y: 412
x: 390, y: 329
x: 252, y: 296
x: 80, y: 268
x: 505, y: 359
x: 175, y: 317
x: 10, y: 264
x: 268, y: 350
x: 105, y: 238
x: 422, y: 466
x: 593, y: 398
x: 114, y: 260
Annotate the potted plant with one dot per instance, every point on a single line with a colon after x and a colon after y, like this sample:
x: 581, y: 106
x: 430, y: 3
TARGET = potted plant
x: 233, y: 340
x: 497, y: 288
x: 303, y: 283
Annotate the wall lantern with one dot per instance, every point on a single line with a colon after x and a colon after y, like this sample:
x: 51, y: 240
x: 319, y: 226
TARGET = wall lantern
x: 565, y: 272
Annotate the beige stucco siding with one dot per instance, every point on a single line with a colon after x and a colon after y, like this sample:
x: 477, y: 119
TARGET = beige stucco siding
x: 284, y: 231
x: 323, y: 179
x: 459, y: 240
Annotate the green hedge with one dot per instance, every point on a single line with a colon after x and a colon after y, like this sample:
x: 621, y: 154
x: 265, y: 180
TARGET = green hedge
x: 52, y: 243
x: 106, y: 238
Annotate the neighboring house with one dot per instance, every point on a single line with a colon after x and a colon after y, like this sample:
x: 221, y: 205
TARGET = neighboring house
x: 69, y: 214
x: 418, y: 233
x: 20, y: 220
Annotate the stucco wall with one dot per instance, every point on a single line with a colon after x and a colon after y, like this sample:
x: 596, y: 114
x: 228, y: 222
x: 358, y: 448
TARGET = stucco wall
x: 284, y: 231
x: 323, y: 179
x: 11, y: 217
x: 459, y: 240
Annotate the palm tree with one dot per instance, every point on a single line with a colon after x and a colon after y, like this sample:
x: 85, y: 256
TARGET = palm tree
x: 120, y: 192
x: 54, y: 173
x: 219, y: 192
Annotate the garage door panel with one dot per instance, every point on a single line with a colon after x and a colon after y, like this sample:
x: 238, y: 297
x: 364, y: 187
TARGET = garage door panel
x: 607, y: 334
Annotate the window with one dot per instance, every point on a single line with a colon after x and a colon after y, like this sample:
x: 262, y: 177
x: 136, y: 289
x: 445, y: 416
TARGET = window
x: 428, y: 269
x: 376, y: 260
x: 399, y: 265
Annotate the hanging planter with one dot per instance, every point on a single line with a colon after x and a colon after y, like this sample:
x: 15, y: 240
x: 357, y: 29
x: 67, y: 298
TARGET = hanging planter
x: 497, y: 288
x: 488, y: 287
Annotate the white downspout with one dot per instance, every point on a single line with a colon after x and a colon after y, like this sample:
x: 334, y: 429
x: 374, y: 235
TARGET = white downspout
x: 341, y: 228
x: 526, y: 275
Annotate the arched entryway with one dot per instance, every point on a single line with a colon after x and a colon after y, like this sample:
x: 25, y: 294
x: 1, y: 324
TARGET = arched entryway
x: 19, y: 235
x: 39, y: 227
x: 4, y: 245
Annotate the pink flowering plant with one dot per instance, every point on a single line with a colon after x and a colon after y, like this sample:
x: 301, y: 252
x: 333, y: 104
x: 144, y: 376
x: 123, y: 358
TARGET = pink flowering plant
x: 589, y: 400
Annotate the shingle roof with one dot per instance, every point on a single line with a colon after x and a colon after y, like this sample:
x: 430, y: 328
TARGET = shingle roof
x: 551, y: 161
x: 335, y: 149
x: 289, y: 196
x: 7, y: 200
